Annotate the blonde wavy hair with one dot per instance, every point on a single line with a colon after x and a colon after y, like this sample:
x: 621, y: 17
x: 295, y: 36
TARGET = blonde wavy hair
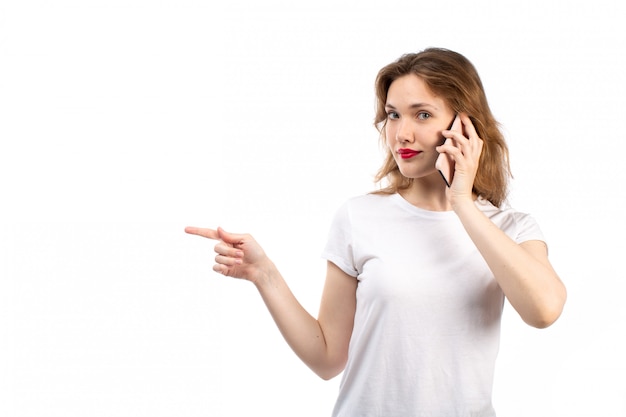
x: 452, y: 77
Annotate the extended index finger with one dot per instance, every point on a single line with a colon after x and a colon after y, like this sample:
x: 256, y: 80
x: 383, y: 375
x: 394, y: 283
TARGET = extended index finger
x: 201, y: 231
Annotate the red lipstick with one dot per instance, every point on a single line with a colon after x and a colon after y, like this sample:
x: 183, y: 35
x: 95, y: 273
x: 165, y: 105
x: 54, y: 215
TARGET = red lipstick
x: 406, y: 153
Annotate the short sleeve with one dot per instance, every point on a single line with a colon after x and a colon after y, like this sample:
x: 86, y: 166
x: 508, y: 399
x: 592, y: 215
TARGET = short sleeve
x: 339, y: 247
x: 519, y: 226
x: 527, y: 228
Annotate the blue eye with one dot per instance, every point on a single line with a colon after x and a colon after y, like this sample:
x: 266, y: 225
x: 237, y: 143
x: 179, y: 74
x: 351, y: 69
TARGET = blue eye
x: 423, y: 116
x: 392, y: 115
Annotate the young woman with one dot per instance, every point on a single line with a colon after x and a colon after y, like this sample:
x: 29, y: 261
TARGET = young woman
x: 417, y: 271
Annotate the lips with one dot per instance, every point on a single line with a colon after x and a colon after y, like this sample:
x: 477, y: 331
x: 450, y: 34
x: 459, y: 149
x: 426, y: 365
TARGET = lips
x: 407, y: 153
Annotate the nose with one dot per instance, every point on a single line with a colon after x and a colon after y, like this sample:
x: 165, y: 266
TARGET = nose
x: 404, y: 134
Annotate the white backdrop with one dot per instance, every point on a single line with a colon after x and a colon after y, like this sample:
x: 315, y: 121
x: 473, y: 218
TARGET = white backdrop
x: 122, y: 121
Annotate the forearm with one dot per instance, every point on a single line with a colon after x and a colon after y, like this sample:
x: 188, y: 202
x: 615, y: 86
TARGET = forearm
x: 527, y: 280
x: 240, y: 256
x: 300, y: 329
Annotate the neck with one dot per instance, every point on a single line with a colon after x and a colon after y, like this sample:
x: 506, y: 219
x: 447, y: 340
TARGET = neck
x: 428, y: 194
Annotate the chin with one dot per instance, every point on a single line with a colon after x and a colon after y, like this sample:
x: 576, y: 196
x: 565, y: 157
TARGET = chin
x: 413, y: 173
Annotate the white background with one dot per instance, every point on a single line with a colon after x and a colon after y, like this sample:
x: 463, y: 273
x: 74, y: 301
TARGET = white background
x: 122, y: 121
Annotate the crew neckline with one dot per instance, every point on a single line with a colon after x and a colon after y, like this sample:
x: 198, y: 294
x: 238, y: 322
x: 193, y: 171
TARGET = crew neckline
x: 402, y: 202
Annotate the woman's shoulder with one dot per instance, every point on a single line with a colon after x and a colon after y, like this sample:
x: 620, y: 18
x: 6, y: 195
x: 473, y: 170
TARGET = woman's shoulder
x: 505, y: 210
x: 512, y: 221
x: 363, y: 205
x: 368, y: 200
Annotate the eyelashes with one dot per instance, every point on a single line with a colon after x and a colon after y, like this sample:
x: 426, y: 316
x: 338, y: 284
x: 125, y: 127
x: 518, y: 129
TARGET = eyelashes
x: 393, y: 115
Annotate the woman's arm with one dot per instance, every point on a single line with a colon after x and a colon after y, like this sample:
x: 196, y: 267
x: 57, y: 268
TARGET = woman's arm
x: 322, y: 344
x: 523, y: 271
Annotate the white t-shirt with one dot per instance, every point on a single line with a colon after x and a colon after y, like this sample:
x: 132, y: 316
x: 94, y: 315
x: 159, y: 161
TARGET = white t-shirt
x: 427, y: 324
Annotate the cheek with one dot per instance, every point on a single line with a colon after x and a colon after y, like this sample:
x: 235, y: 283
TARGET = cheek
x: 435, y: 138
x: 389, y: 136
x: 388, y: 143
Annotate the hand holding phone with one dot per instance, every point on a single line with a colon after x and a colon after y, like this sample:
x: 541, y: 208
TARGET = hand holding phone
x: 445, y: 163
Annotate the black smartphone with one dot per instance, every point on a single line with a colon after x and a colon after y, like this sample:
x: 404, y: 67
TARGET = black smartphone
x: 444, y: 163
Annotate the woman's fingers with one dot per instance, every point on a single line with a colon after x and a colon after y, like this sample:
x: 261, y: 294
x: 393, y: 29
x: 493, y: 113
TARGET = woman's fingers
x: 228, y: 260
x: 465, y: 143
x: 227, y: 249
x: 200, y: 231
x: 219, y: 234
x: 231, y: 238
x: 238, y: 255
x: 220, y: 269
x: 468, y: 126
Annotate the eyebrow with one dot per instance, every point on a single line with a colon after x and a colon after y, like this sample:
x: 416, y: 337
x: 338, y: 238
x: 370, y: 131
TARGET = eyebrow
x: 413, y: 106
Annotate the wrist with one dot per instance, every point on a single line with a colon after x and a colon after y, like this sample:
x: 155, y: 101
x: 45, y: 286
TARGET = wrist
x: 264, y: 275
x: 463, y: 204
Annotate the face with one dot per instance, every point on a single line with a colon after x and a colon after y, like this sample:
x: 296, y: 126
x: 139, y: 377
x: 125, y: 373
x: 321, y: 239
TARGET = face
x: 415, y: 119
